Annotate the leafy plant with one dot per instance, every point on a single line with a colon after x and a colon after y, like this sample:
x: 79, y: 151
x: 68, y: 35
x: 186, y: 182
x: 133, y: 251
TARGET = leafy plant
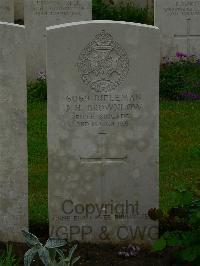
x: 7, y: 258
x: 179, y: 79
x: 183, y: 227
x: 50, y: 253
x: 125, y: 12
x: 38, y: 89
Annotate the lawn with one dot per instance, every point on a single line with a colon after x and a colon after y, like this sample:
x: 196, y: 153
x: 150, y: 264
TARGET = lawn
x: 179, y: 149
x: 179, y: 153
x: 38, y: 164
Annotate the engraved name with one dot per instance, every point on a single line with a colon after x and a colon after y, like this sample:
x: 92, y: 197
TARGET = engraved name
x: 183, y: 8
x: 104, y: 110
x: 53, y: 8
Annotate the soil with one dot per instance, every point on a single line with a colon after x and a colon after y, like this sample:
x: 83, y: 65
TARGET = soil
x: 97, y: 255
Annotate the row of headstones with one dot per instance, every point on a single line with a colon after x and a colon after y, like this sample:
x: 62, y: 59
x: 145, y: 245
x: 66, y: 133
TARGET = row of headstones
x: 102, y: 124
x: 39, y: 15
x: 102, y: 131
x: 19, y: 5
x: 178, y: 21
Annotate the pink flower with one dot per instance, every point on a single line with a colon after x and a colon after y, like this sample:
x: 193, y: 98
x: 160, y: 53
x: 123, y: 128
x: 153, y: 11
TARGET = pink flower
x: 181, y: 55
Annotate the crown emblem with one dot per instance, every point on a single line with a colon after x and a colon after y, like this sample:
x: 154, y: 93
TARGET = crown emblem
x: 103, y: 41
x: 103, y: 64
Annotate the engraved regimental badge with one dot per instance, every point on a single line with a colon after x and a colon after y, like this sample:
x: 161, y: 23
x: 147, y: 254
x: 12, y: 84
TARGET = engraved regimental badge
x: 103, y: 64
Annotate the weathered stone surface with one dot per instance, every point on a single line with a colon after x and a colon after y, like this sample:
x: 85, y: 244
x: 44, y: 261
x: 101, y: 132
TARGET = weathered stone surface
x: 7, y: 10
x: 43, y: 13
x: 103, y: 97
x: 179, y: 24
x: 13, y: 133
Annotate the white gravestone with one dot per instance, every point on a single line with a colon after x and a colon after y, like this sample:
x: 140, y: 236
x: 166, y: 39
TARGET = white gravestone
x: 179, y: 23
x: 7, y: 10
x: 103, y: 130
x: 43, y: 13
x: 13, y: 134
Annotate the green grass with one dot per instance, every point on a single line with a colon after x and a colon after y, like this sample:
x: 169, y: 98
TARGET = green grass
x: 179, y: 149
x: 8, y: 258
x: 37, y: 151
x: 179, y: 153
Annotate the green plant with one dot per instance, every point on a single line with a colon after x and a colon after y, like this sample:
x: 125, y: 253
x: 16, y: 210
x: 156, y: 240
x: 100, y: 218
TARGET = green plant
x: 184, y: 227
x: 7, y: 258
x: 50, y: 253
x: 37, y: 90
x: 121, y: 12
x: 180, y: 79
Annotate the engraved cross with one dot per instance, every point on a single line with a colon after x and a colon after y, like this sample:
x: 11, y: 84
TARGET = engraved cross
x: 102, y: 158
x: 188, y: 36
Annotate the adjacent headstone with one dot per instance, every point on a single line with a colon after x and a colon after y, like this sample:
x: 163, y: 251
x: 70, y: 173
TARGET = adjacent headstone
x: 43, y: 13
x: 150, y: 6
x: 13, y: 133
x: 103, y: 130
x: 179, y: 24
x: 7, y: 10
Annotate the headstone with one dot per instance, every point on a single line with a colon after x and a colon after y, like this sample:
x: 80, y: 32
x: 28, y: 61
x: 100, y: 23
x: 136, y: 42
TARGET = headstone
x: 7, y: 10
x: 179, y: 24
x: 13, y: 134
x: 103, y: 130
x: 43, y: 13
x: 150, y: 6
